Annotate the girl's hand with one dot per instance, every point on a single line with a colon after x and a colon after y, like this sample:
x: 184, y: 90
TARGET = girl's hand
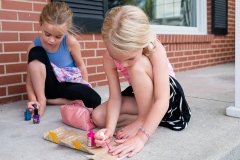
x: 30, y: 107
x: 132, y: 146
x: 99, y: 139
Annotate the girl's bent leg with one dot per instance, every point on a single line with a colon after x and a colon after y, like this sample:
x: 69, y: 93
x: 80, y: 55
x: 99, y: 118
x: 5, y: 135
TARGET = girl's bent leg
x: 99, y: 115
x: 128, y: 113
x: 37, y: 73
x: 58, y: 101
x: 42, y: 77
x: 180, y: 113
x: 143, y: 91
x: 78, y: 91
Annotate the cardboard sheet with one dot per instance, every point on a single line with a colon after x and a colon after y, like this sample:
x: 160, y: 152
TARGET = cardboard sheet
x: 78, y: 141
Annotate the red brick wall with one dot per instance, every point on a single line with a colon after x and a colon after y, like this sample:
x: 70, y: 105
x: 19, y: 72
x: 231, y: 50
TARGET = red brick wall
x: 19, y: 26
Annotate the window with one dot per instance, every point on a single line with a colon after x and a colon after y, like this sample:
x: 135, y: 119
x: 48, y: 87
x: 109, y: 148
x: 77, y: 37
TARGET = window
x: 88, y: 14
x: 172, y: 16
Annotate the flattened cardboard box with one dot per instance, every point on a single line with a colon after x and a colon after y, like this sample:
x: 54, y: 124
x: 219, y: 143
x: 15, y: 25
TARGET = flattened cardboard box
x: 78, y: 141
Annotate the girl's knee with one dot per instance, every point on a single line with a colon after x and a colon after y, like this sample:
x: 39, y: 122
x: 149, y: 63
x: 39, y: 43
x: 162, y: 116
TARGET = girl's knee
x: 96, y: 101
x: 99, y: 116
x: 37, y: 53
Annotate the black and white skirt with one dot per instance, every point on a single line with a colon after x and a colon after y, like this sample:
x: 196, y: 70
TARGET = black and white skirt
x: 178, y: 113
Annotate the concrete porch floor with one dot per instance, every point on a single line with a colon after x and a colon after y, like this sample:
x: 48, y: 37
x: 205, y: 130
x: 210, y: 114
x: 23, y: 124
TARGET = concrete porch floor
x: 211, y: 135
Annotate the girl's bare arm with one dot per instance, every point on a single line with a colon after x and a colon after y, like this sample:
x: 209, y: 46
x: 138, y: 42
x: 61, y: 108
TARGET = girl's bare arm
x: 115, y: 98
x: 161, y: 89
x: 75, y: 50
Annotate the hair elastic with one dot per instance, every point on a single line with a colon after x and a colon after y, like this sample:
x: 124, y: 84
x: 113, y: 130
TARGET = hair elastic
x: 145, y: 132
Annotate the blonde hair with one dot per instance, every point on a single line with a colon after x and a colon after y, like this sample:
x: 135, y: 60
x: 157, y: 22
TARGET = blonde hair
x: 126, y: 28
x: 58, y: 13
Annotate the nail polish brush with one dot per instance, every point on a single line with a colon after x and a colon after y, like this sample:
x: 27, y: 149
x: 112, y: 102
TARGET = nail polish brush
x: 104, y: 138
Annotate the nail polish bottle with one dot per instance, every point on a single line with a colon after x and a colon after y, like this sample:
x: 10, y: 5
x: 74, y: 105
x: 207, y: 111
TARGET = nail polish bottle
x: 90, y: 139
x: 36, y: 117
x: 27, y: 115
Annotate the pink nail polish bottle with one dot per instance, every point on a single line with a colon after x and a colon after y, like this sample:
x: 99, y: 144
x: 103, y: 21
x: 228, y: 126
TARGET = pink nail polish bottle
x: 90, y: 139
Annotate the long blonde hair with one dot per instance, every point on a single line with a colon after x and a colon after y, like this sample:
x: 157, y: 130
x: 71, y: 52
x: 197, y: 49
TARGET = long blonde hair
x: 126, y: 28
x: 58, y: 13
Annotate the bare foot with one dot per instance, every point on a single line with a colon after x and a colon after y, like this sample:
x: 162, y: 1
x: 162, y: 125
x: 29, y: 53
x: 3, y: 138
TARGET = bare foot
x: 41, y: 110
x: 129, y: 130
x: 42, y: 107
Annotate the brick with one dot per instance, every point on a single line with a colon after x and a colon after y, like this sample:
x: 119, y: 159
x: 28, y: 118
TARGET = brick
x: 206, y: 56
x: 188, y: 53
x: 90, y: 45
x: 181, y: 59
x: 10, y: 99
x: 100, y: 69
x: 13, y: 68
x: 16, y: 5
x: 178, y: 54
x: 199, y: 57
x: 213, y: 55
x: 24, y: 97
x: 211, y: 51
x: 210, y: 60
x: 87, y: 53
x: 94, y: 61
x: 187, y: 64
x: 16, y: 26
x: 3, y: 91
x: 1, y: 47
x: 104, y: 83
x: 1, y: 69
x: 38, y: 7
x: 91, y: 70
x: 23, y: 16
x: 190, y: 58
x: 16, y: 89
x: 170, y: 54
x: 203, y: 61
x: 5, y: 80
x: 197, y: 52
x: 97, y: 36
x: 8, y: 15
x: 24, y: 57
x: 15, y: 47
x: 96, y: 77
x: 28, y: 36
x: 100, y: 52
x: 173, y: 60
x: 177, y: 65
x: 6, y: 58
x: 101, y: 45
x: 195, y: 63
x: 203, y: 51
x: 24, y: 77
x: 36, y: 26
x: 4, y: 37
x: 93, y: 84
x: 86, y: 36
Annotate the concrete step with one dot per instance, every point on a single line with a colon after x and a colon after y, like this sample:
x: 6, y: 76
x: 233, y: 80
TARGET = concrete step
x: 211, y: 135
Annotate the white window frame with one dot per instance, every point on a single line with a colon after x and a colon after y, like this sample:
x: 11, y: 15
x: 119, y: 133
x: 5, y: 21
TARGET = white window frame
x: 201, y: 28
